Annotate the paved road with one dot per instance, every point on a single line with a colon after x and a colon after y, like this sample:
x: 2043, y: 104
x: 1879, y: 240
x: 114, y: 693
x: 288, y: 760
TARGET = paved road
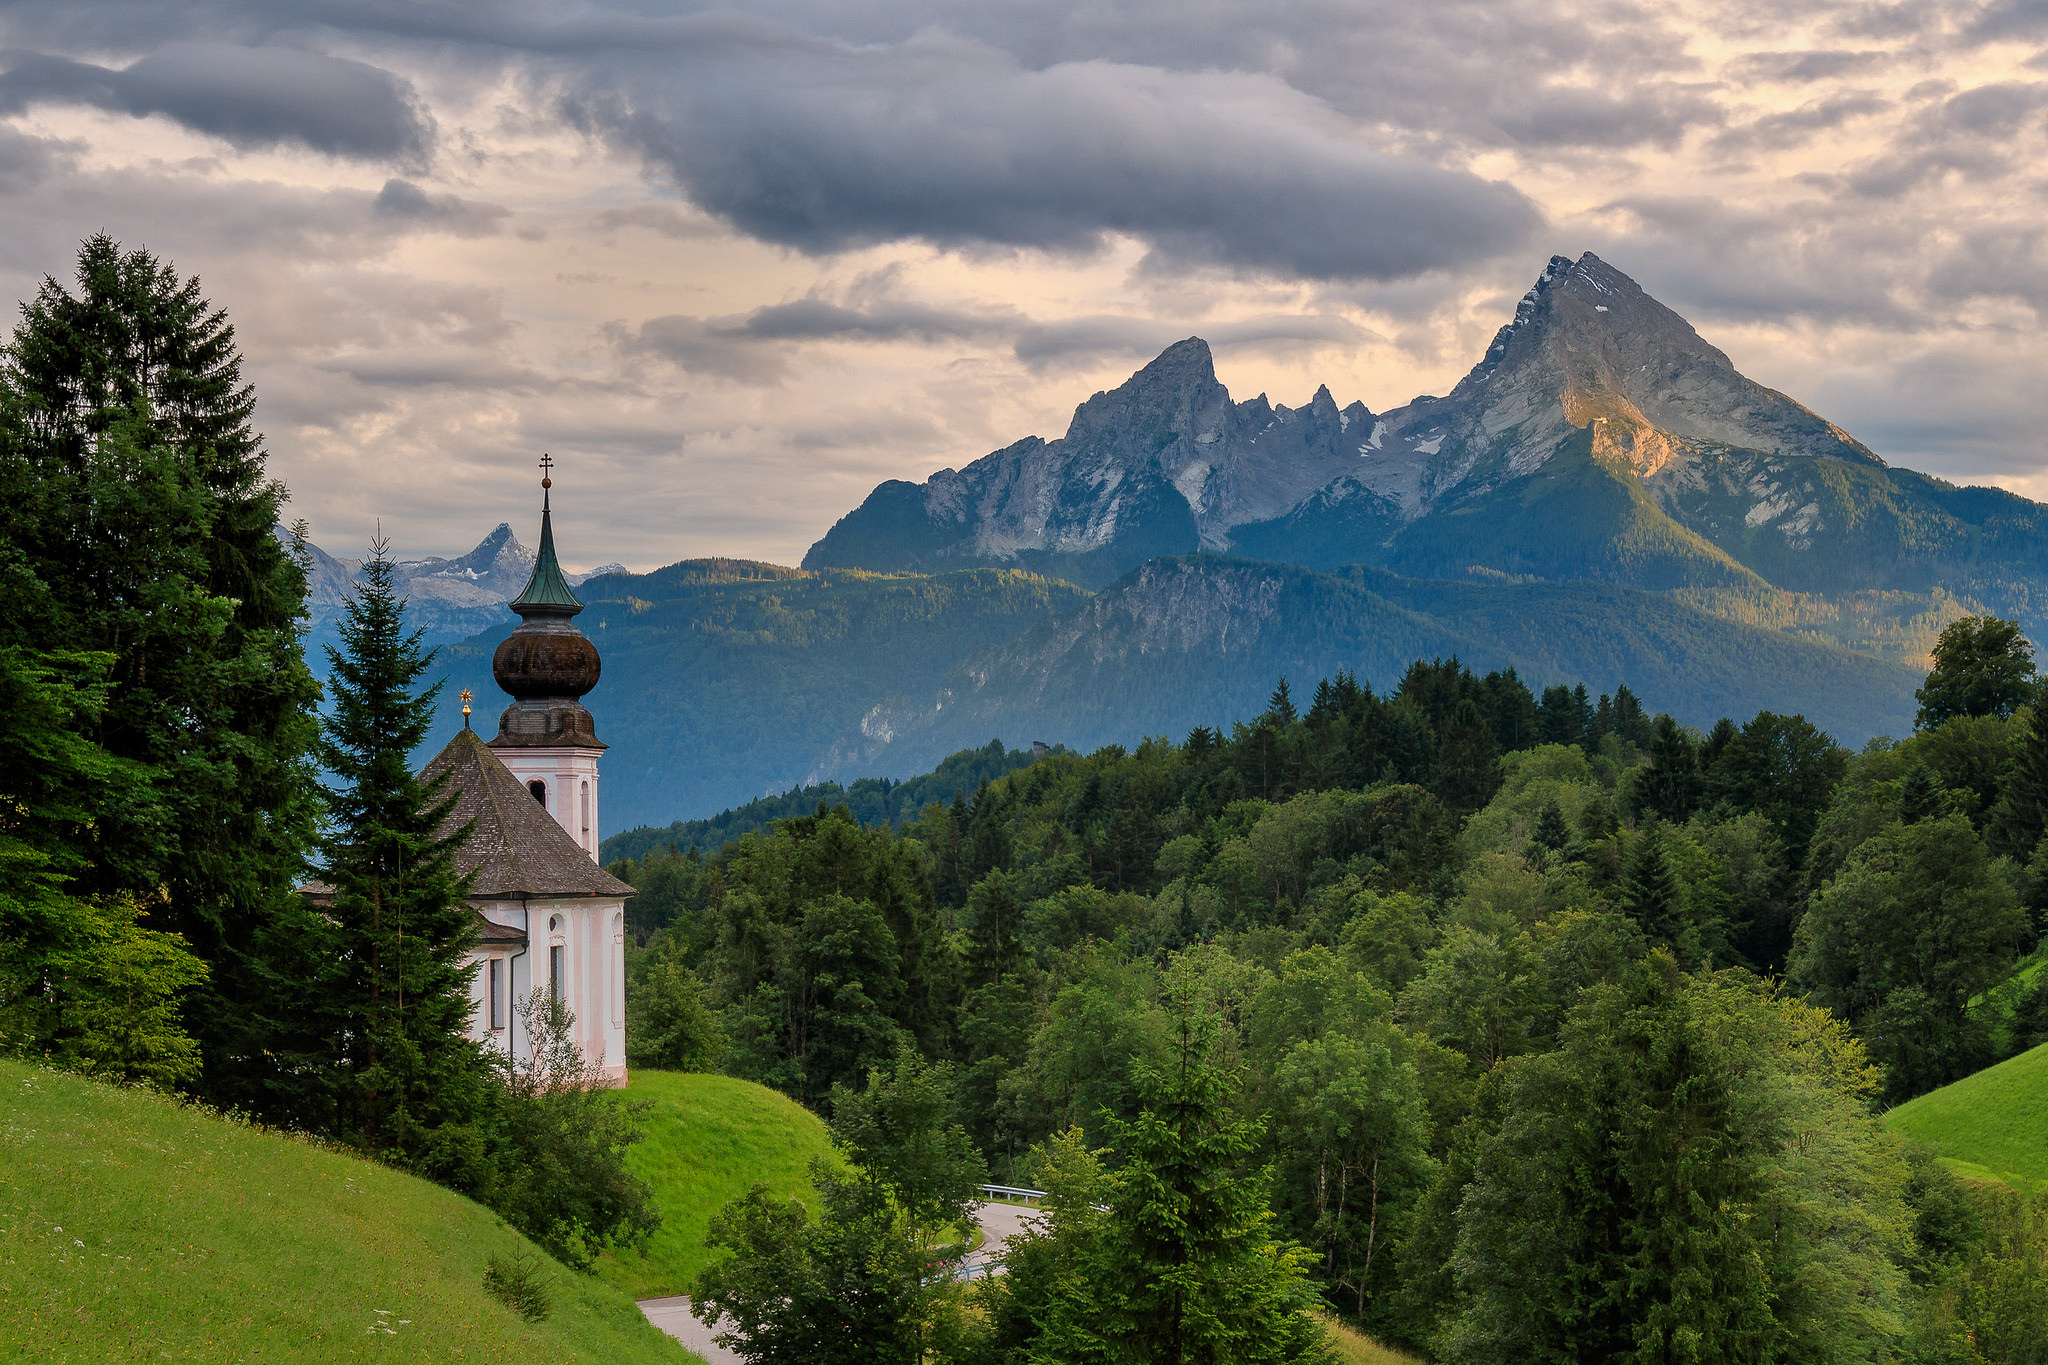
x: 1000, y: 1222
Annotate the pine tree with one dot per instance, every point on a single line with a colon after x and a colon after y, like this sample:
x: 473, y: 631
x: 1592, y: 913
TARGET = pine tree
x: 1919, y: 795
x: 1280, y: 706
x: 1649, y: 889
x: 2022, y: 812
x: 137, y: 519
x: 410, y: 1085
x: 1669, y: 785
x: 1551, y: 833
x: 1189, y: 1271
x: 1467, y: 767
x: 1630, y: 720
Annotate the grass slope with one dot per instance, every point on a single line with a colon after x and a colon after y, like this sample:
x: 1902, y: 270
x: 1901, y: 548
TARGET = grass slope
x: 1993, y: 1125
x: 133, y: 1226
x: 709, y: 1138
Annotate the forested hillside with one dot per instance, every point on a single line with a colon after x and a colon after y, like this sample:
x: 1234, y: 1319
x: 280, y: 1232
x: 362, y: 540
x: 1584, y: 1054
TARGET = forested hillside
x: 1434, y: 929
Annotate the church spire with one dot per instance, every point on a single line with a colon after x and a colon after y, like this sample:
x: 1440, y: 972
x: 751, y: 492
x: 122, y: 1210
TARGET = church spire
x: 547, y: 592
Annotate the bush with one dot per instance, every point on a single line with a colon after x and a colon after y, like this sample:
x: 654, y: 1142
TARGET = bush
x: 519, y: 1284
x: 561, y: 1162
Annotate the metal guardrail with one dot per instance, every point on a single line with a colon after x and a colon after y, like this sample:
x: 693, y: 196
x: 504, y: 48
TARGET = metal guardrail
x: 1012, y: 1192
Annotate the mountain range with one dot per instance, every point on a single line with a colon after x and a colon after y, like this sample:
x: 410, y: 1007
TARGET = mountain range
x: 1599, y: 438
x: 1602, y: 499
x: 448, y: 599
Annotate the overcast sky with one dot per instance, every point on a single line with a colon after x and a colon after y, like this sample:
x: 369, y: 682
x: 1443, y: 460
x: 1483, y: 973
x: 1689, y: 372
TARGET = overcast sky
x: 733, y: 267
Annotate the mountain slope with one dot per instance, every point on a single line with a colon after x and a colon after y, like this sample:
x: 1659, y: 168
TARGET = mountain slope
x: 724, y: 680
x: 138, y: 1227
x: 1200, y: 641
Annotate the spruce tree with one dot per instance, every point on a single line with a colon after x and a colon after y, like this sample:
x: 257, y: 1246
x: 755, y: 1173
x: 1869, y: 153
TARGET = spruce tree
x: 1649, y: 890
x: 1669, y: 785
x: 1189, y: 1271
x: 137, y: 520
x: 2022, y: 812
x: 1552, y: 834
x: 409, y: 1084
x: 1280, y: 706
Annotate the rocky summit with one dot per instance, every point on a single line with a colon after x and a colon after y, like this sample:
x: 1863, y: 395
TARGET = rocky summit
x: 1599, y: 438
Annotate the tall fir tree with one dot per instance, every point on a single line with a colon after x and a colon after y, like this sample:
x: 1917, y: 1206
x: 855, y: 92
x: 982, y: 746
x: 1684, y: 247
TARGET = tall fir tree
x: 1650, y: 892
x: 1668, y: 786
x: 2021, y: 815
x: 409, y: 1084
x: 137, y: 520
x: 1189, y: 1271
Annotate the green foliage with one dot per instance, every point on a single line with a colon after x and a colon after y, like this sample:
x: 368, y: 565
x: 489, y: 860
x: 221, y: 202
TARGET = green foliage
x: 137, y: 522
x: 1983, y: 666
x: 671, y: 1024
x: 825, y: 951
x: 1651, y: 1193
x: 1919, y: 921
x: 1179, y: 1264
x: 899, y: 1130
x: 794, y: 1292
x: 1783, y: 768
x: 561, y: 1175
x: 83, y: 983
x: 1991, y: 1308
x: 521, y: 1285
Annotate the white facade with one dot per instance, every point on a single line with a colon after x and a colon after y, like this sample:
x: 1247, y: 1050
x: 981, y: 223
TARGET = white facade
x: 568, y: 786
x: 576, y: 945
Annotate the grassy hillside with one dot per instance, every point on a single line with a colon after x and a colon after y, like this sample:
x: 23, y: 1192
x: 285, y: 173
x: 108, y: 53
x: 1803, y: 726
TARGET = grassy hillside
x: 1993, y: 1125
x: 132, y: 1226
x: 708, y: 1139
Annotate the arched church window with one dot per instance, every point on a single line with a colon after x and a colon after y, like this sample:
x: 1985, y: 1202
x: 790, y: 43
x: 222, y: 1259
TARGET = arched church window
x: 586, y: 810
x: 539, y: 790
x: 619, y: 970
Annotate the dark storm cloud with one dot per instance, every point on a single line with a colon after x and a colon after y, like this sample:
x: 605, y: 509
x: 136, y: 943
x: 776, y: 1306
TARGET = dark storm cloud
x: 250, y: 97
x: 824, y: 147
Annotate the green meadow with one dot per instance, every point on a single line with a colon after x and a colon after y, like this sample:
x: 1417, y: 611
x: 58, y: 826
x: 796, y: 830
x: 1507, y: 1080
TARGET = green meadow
x: 132, y: 1226
x: 1989, y: 1126
x: 709, y: 1138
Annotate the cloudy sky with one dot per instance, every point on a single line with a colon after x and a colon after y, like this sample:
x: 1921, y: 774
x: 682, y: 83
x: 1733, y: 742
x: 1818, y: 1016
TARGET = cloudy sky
x: 733, y: 266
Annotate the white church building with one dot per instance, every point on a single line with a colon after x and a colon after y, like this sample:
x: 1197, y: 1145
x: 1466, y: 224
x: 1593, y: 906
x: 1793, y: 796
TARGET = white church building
x: 549, y: 915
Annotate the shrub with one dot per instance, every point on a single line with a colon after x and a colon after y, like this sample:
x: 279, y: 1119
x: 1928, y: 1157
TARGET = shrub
x: 519, y: 1284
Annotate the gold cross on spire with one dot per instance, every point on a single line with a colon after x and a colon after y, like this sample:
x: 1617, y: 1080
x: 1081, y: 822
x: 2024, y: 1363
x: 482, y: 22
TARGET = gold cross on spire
x: 547, y: 464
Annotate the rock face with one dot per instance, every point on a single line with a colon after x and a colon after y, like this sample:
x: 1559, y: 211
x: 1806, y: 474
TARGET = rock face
x: 1600, y: 437
x: 1166, y: 464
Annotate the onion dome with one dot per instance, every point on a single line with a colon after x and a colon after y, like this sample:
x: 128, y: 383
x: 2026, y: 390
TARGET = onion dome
x: 546, y: 664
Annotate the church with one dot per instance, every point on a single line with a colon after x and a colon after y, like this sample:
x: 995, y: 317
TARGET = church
x: 548, y: 915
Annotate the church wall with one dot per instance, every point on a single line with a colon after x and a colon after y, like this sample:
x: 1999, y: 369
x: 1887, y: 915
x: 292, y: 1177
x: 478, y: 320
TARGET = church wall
x: 590, y: 931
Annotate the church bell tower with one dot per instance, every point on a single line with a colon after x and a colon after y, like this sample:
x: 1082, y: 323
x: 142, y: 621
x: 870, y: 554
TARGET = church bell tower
x: 546, y: 736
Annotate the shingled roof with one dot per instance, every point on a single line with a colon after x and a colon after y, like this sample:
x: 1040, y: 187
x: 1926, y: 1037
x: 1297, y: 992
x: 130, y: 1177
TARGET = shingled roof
x: 516, y: 849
